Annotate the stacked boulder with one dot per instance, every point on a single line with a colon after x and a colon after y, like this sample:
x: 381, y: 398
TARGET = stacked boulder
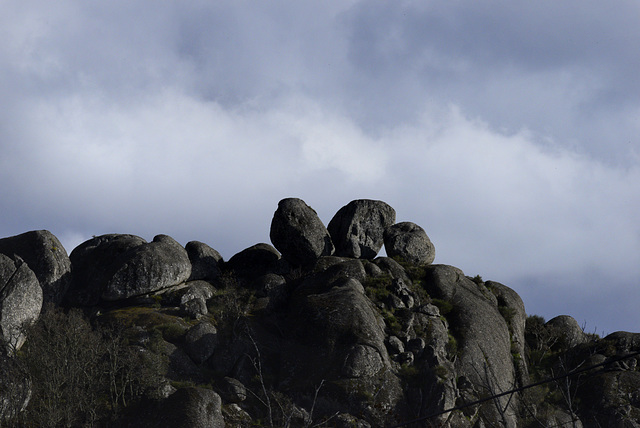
x: 358, y: 230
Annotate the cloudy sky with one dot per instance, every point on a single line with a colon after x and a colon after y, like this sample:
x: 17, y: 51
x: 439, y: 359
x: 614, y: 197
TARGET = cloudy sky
x: 510, y: 131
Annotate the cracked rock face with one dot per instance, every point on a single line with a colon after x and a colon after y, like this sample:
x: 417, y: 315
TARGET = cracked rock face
x: 116, y: 267
x: 357, y: 229
x: 20, y: 301
x: 298, y: 233
x: 46, y: 257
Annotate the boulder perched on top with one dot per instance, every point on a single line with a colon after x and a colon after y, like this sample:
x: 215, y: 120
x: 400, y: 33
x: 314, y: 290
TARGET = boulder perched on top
x: 46, y: 257
x: 357, y: 229
x: 20, y: 301
x: 298, y: 233
x: 567, y: 331
x: 115, y: 267
x: 409, y: 241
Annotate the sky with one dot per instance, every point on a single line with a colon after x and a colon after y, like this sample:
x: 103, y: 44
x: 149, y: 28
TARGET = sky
x: 510, y: 131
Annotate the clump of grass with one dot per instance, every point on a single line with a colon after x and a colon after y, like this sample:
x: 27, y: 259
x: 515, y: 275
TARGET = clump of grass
x: 377, y: 287
x: 393, y: 324
x: 444, y: 306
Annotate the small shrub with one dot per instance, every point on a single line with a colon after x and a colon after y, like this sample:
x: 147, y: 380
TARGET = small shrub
x: 172, y: 332
x: 441, y: 372
x: 411, y: 375
x: 377, y: 287
x: 507, y: 313
x: 392, y: 322
x: 452, y: 345
x: 444, y: 306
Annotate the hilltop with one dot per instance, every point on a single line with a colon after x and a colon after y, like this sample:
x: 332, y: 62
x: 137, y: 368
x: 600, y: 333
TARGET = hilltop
x: 314, y: 329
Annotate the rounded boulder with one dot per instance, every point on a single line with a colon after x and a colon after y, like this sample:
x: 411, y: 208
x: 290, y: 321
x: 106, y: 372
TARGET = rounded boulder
x: 410, y: 242
x: 298, y: 233
x: 357, y: 229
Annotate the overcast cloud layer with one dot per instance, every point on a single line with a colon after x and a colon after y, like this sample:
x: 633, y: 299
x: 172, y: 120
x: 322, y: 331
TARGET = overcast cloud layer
x: 508, y: 131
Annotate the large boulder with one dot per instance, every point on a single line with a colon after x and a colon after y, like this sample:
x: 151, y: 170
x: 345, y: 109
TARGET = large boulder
x: 205, y: 261
x: 189, y: 407
x: 298, y: 233
x: 20, y: 302
x: 357, y: 229
x: 254, y: 262
x: 410, y: 242
x: 483, y: 359
x: 345, y: 330
x: 115, y: 267
x: 46, y: 257
x: 567, y: 331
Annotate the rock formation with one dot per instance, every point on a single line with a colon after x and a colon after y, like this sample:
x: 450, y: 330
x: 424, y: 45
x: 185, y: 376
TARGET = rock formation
x: 315, y: 330
x: 357, y: 229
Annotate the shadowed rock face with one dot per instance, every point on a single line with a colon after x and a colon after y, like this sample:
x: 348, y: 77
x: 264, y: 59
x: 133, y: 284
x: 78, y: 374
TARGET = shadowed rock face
x: 298, y: 233
x: 20, y: 302
x: 46, y: 257
x: 205, y: 261
x: 357, y: 229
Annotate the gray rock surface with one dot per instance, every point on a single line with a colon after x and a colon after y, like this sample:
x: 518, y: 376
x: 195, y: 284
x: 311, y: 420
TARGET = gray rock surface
x: 567, y: 330
x: 20, y: 302
x: 346, y: 329
x: 410, y: 242
x: 117, y: 267
x: 95, y: 262
x: 192, y: 408
x: 201, y: 341
x: 46, y: 257
x: 481, y: 333
x: 205, y: 261
x: 512, y: 310
x: 150, y: 267
x: 298, y: 233
x: 357, y: 229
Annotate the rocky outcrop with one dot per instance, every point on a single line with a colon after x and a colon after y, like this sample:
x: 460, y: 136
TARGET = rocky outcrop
x: 482, y: 336
x: 409, y: 242
x: 298, y: 233
x: 46, y: 257
x: 117, y: 267
x: 311, y: 338
x: 20, y: 302
x: 357, y: 229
